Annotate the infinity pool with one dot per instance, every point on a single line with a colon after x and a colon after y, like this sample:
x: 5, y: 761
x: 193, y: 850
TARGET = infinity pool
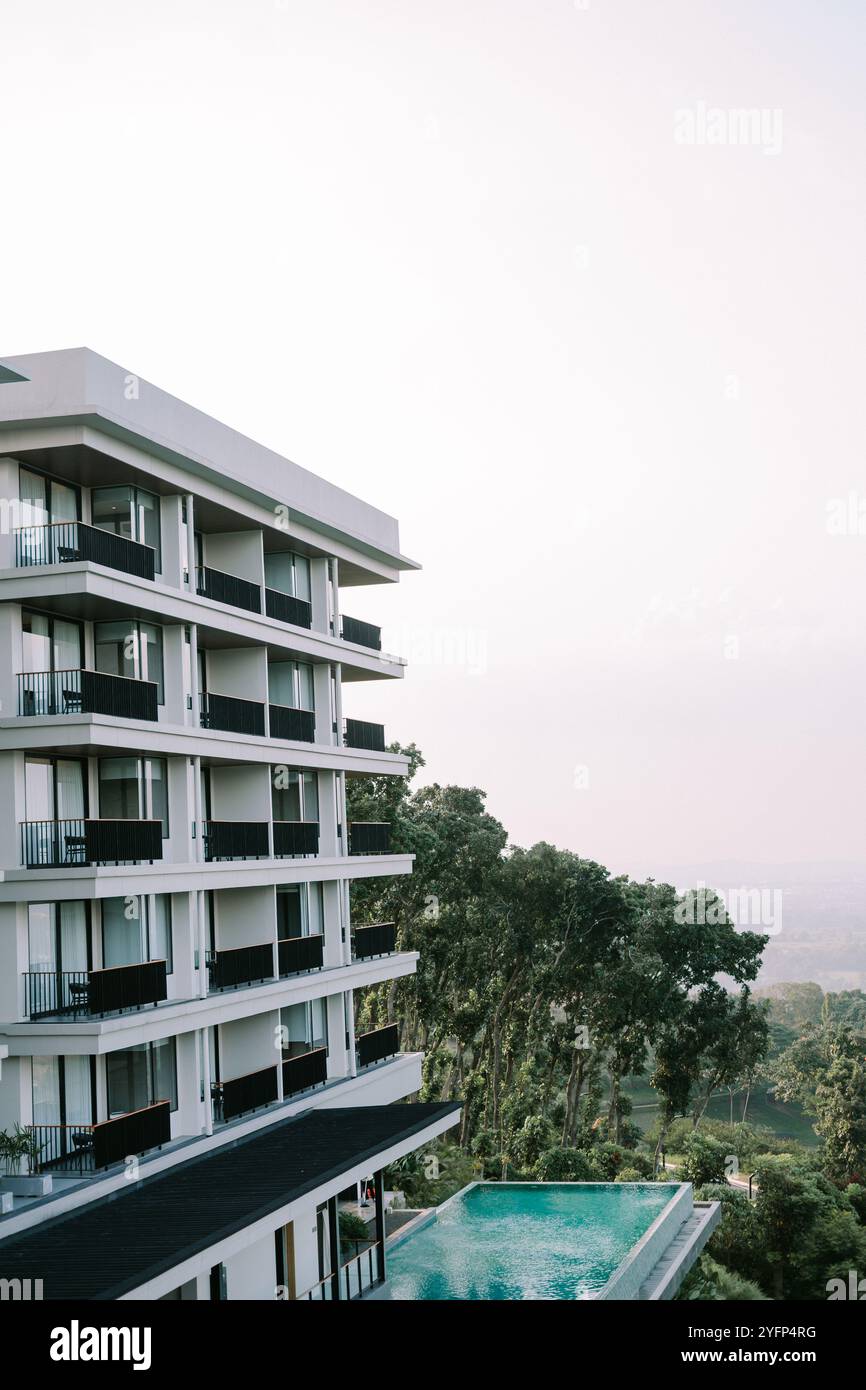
x: 525, y: 1241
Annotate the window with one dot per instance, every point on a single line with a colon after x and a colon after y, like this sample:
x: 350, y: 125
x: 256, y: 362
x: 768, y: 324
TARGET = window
x: 288, y: 574
x: 290, y: 683
x: 132, y: 649
x: 299, y: 910
x: 134, y: 789
x: 50, y: 644
x: 58, y: 937
x: 136, y: 929
x: 54, y: 789
x: 294, y: 795
x: 45, y: 500
x: 129, y: 512
x: 303, y: 1027
x: 140, y: 1076
x: 63, y: 1090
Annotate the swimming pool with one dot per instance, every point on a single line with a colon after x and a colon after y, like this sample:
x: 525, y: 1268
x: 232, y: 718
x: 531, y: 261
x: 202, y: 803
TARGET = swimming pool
x: 526, y: 1240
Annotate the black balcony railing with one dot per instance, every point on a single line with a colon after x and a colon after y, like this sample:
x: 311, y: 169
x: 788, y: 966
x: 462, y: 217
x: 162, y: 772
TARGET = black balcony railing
x: 57, y: 844
x: 85, y: 1148
x: 242, y: 965
x: 87, y: 993
x: 379, y: 939
x: 295, y: 837
x: 300, y: 953
x: 296, y: 724
x: 65, y: 541
x: 369, y: 837
x: 306, y: 1070
x: 362, y: 634
x: 86, y: 692
x: 243, y: 1093
x: 360, y: 734
x: 231, y: 714
x: 236, y: 839
x: 228, y: 588
x: 380, y: 1043
x: 288, y: 609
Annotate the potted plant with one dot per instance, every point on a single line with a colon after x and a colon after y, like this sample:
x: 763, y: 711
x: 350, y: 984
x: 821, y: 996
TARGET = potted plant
x: 19, y: 1156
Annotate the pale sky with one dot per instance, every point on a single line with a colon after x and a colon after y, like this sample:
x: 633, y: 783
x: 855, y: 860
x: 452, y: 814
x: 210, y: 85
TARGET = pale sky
x: 453, y: 257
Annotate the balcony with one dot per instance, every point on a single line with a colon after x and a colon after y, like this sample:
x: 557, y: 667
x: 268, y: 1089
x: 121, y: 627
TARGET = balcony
x: 66, y: 541
x: 66, y: 994
x: 86, y: 1148
x: 369, y: 837
x: 235, y: 839
x: 293, y: 838
x: 61, y: 844
x: 86, y: 692
x: 243, y: 965
x: 244, y: 1093
x: 232, y: 715
x: 288, y: 609
x: 380, y: 939
x: 360, y: 734
x: 377, y: 1045
x: 305, y: 1071
x: 228, y: 588
x: 298, y: 954
x: 296, y: 725
x: 362, y: 634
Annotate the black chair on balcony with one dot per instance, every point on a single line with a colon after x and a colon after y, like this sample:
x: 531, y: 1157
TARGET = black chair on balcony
x: 72, y: 701
x: 75, y: 849
x: 82, y: 1144
x: 79, y: 994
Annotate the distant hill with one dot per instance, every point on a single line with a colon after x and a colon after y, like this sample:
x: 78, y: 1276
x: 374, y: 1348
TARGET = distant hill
x: 823, y: 935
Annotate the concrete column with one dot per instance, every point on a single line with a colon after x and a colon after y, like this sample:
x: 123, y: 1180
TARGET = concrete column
x: 171, y: 528
x: 178, y: 848
x: 320, y: 616
x: 335, y: 595
x: 173, y: 641
x: 183, y: 977
x: 193, y: 715
x: 10, y: 511
x: 328, y: 844
x: 322, y: 699
x: 10, y: 642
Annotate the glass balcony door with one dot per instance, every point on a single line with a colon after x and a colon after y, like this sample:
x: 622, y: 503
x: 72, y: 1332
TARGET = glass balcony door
x: 299, y: 910
x: 130, y: 512
x: 303, y: 1027
x: 294, y: 795
x: 290, y: 683
x: 54, y: 789
x: 135, y: 930
x: 134, y: 789
x: 288, y: 573
x: 132, y: 649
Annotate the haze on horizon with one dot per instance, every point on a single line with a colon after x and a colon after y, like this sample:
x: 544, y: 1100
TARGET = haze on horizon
x: 457, y: 259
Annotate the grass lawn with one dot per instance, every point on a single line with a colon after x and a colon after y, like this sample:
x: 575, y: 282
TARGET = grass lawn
x: 786, y: 1121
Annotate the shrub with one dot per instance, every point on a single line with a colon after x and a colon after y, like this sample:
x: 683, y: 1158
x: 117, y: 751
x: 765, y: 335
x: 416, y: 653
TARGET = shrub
x: 566, y: 1165
x: 711, y: 1281
x: 629, y: 1175
x: 704, y: 1159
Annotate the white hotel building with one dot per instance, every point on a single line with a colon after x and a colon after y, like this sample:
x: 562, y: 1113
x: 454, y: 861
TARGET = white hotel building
x: 177, y: 954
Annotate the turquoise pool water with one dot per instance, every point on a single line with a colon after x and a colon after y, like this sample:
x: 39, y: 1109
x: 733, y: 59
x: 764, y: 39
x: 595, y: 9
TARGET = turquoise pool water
x: 521, y: 1241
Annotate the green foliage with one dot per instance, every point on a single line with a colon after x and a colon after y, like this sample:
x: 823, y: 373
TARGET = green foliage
x: 353, y: 1227
x: 710, y: 1281
x: 704, y: 1159
x: 566, y: 1165
x: 630, y: 1175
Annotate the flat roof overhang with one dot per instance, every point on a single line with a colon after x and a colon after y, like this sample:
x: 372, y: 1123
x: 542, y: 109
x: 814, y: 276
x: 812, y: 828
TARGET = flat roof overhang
x: 113, y: 1246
